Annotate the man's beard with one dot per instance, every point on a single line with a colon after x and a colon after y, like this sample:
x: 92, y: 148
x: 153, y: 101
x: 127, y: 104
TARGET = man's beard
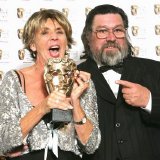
x: 111, y: 58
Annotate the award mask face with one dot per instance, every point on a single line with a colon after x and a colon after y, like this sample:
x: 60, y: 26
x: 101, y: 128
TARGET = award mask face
x: 59, y: 75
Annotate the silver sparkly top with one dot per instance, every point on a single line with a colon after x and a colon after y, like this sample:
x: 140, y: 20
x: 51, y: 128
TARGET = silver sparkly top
x: 14, y: 105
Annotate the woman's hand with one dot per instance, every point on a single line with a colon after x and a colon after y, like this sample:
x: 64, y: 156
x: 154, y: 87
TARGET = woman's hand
x: 56, y: 99
x: 17, y: 152
x: 81, y: 84
x: 59, y: 100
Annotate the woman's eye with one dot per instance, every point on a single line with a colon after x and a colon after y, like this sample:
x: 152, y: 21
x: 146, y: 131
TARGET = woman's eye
x: 60, y: 32
x: 44, y: 32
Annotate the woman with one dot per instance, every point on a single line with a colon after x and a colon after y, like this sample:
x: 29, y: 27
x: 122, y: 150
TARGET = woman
x: 25, y: 105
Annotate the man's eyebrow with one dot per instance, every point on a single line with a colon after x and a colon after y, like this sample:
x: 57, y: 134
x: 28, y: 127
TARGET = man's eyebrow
x: 105, y: 26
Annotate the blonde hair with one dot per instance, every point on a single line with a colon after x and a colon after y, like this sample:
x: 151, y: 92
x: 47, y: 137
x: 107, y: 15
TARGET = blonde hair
x: 37, y: 19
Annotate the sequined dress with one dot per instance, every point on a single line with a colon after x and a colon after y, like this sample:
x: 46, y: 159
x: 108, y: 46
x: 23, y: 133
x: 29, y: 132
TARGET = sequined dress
x: 14, y: 105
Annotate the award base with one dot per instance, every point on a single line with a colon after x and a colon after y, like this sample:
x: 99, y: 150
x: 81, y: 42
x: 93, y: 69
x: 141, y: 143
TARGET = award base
x: 59, y: 115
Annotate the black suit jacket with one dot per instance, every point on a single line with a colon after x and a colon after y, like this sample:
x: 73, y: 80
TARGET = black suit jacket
x: 128, y: 133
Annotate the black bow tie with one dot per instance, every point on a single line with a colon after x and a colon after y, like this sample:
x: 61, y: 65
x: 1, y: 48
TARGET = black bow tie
x: 117, y: 68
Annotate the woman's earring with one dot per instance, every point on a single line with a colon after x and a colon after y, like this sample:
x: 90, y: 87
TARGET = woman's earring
x: 66, y: 54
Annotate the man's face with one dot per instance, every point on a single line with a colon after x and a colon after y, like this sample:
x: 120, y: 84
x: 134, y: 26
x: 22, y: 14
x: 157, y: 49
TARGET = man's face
x: 113, y: 48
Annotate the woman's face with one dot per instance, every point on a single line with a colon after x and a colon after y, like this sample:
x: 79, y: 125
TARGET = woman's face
x: 50, y: 41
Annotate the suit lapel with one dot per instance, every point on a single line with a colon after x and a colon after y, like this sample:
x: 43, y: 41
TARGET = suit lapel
x: 102, y: 87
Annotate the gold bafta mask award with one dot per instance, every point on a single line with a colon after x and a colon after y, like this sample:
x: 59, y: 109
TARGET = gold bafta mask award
x: 59, y: 76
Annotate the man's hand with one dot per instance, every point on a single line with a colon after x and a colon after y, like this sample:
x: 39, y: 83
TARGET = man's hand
x: 134, y: 94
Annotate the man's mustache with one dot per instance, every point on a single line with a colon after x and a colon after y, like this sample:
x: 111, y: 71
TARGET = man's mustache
x: 111, y: 44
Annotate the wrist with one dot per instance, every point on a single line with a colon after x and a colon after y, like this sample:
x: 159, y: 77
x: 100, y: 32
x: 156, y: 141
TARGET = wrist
x: 82, y: 121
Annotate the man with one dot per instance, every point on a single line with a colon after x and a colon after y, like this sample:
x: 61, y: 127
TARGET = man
x: 129, y: 109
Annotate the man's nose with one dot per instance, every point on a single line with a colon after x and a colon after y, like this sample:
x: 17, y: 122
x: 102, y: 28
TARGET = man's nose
x: 111, y: 36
